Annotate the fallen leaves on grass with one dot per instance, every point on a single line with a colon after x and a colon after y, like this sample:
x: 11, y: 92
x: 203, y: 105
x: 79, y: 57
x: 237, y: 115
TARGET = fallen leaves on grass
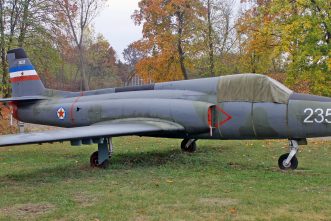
x: 233, y: 210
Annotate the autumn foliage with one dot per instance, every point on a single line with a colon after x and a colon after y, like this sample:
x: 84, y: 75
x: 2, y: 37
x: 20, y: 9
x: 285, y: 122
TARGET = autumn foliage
x: 181, y: 39
x: 289, y: 36
x: 5, y: 126
x: 168, y: 37
x: 184, y: 39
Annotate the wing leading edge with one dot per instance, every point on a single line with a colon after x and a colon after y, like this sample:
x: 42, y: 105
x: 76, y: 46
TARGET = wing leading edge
x: 110, y: 129
x: 23, y: 99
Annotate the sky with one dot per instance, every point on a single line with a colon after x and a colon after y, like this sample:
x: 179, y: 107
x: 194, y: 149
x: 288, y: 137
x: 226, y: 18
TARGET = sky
x: 115, y: 23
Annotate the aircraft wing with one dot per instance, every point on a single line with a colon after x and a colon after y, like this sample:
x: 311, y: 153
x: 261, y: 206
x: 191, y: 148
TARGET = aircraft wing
x: 22, y: 99
x: 106, y: 129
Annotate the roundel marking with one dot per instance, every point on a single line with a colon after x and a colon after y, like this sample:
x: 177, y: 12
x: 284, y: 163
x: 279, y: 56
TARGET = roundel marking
x: 61, y: 113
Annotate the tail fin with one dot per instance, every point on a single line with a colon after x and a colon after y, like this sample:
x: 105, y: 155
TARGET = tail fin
x: 23, y: 76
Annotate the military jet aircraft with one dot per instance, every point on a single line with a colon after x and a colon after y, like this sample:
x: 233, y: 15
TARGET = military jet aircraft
x: 240, y: 107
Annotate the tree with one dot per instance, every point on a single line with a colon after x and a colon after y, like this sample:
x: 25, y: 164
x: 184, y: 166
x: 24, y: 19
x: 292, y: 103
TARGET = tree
x: 76, y: 16
x: 101, y: 63
x: 258, y: 38
x: 18, y: 20
x: 218, y: 34
x: 294, y: 34
x: 169, y: 36
x: 306, y: 38
x: 131, y: 57
x: 210, y: 38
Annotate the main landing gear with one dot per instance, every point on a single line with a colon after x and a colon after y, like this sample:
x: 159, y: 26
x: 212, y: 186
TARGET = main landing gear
x: 289, y: 161
x: 189, y: 145
x: 101, y: 158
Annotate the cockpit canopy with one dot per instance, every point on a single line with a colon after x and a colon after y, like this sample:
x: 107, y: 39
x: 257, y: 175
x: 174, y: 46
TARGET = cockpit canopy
x: 252, y: 88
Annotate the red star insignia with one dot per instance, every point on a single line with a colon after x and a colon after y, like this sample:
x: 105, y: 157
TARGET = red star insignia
x: 61, y: 113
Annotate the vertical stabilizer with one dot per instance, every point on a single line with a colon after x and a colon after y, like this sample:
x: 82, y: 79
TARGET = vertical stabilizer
x: 23, y: 76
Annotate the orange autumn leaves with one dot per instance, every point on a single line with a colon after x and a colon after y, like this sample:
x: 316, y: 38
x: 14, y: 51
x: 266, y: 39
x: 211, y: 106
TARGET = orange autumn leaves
x: 284, y: 37
x: 169, y: 30
x: 5, y: 120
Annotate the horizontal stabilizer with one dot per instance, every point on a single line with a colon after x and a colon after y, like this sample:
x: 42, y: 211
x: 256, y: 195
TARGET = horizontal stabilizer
x: 23, y: 99
x: 104, y: 130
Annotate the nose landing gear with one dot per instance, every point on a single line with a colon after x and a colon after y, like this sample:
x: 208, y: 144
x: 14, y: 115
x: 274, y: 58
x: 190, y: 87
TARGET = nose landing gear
x: 289, y: 161
x: 293, y: 163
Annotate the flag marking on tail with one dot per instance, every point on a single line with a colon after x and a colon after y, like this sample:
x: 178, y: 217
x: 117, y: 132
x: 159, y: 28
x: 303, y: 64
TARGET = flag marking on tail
x: 23, y: 73
x: 22, y: 68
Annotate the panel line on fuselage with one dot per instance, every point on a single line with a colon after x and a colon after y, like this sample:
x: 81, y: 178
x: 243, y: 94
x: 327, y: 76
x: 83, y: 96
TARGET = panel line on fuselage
x: 72, y: 108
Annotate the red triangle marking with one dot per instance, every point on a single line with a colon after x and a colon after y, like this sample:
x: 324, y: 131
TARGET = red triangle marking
x: 228, y: 117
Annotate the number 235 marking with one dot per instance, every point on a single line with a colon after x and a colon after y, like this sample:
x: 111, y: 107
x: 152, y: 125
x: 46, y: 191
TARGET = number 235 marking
x: 317, y: 116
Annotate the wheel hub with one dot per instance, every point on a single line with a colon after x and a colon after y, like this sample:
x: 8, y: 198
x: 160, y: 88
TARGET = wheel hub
x: 286, y: 165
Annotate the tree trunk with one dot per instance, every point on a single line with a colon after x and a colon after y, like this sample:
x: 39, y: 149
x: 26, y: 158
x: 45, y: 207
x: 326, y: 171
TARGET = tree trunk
x: 14, y: 16
x: 210, y: 42
x: 182, y: 60
x: 253, y: 62
x: 226, y: 33
x: 181, y: 53
x: 24, y: 23
x: 5, y: 85
x: 4, y: 65
x: 84, y: 84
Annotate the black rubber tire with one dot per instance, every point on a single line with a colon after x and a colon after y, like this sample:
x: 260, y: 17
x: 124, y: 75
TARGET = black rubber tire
x: 190, y: 149
x: 293, y: 164
x: 94, y: 159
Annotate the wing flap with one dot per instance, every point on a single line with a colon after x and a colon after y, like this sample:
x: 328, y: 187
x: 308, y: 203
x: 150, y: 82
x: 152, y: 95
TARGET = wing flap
x: 94, y: 131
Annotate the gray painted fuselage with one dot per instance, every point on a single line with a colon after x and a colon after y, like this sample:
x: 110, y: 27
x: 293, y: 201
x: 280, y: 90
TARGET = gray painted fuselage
x: 189, y: 104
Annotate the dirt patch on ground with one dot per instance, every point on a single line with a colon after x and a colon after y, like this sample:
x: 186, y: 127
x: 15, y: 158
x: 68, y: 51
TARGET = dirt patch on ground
x: 28, y: 210
x: 235, y: 165
x: 84, y: 200
x: 221, y: 202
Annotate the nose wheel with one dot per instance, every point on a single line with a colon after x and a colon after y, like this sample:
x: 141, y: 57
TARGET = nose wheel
x: 189, y: 145
x: 289, y: 161
x: 293, y: 164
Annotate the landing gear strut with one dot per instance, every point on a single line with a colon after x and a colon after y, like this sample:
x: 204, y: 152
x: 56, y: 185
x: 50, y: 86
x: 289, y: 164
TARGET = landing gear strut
x: 289, y: 161
x: 189, y: 145
x: 101, y: 158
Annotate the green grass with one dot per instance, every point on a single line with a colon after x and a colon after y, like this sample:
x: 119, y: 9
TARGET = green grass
x: 151, y: 179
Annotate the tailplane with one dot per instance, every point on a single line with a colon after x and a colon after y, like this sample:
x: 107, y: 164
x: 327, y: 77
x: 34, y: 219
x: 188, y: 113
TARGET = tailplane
x: 23, y: 76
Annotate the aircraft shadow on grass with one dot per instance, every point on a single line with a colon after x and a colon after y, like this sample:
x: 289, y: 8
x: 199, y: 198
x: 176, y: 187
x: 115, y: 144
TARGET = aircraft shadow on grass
x: 125, y: 162
x: 120, y: 162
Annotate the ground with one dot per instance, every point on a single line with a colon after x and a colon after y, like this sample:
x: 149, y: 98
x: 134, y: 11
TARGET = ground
x: 151, y: 179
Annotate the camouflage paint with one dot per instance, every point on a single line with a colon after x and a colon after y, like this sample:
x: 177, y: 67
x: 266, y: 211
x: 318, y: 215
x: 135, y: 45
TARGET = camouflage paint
x: 184, y: 103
